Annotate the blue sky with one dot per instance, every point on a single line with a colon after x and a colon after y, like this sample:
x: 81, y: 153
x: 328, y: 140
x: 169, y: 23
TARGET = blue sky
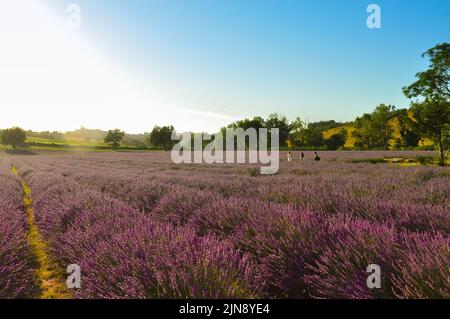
x: 308, y: 58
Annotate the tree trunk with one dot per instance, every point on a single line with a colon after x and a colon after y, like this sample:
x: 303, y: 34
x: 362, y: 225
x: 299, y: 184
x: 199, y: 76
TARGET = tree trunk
x: 441, y: 151
x: 441, y: 154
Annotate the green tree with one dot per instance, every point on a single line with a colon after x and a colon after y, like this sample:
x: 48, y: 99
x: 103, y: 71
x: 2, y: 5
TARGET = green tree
x: 280, y: 122
x: 161, y: 137
x: 363, y: 135
x: 409, y: 136
x: 257, y: 122
x: 380, y: 118
x: 433, y: 83
x: 374, y: 130
x: 114, y: 137
x: 14, y: 136
x: 430, y: 110
x: 313, y: 136
x: 273, y: 121
x: 432, y: 120
x: 337, y: 140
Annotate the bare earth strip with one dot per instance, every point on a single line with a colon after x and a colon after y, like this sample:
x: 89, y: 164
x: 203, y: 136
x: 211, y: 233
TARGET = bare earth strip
x: 50, y: 279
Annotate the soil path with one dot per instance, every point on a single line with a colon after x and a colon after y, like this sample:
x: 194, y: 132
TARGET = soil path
x: 50, y: 279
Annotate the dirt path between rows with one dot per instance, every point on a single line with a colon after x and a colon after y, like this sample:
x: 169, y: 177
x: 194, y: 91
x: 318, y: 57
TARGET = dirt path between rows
x: 49, y: 278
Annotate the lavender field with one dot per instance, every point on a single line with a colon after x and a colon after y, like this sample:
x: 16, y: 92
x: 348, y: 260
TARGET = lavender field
x: 140, y: 226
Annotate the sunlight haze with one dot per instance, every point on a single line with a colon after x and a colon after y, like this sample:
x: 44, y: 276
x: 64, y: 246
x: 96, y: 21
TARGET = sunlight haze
x: 51, y: 79
x: 199, y: 65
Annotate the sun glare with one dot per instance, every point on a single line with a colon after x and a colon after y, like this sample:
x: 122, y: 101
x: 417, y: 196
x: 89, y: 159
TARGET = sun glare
x: 51, y: 79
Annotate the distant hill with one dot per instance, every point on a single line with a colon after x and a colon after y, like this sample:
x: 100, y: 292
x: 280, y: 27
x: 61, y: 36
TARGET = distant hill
x: 350, y: 141
x: 82, y: 136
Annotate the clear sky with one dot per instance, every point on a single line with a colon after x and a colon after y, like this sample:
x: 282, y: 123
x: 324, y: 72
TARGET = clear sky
x: 199, y: 64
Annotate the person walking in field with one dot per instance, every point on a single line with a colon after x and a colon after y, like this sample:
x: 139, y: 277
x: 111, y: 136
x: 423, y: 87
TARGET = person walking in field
x: 289, y: 156
x: 316, y: 157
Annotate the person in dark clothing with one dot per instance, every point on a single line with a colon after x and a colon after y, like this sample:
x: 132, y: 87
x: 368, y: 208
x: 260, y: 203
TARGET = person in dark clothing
x: 316, y: 157
x: 303, y: 156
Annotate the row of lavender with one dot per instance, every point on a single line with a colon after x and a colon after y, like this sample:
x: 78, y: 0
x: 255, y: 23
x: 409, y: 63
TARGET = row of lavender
x: 126, y: 254
x: 415, y: 198
x: 142, y: 227
x: 16, y: 274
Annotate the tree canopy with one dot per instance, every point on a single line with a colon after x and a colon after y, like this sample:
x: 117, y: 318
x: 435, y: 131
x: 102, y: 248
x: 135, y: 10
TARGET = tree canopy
x: 432, y: 120
x: 431, y: 110
x: 13, y: 136
x: 433, y: 83
x: 114, y: 137
x: 374, y: 130
x: 161, y: 137
x: 337, y: 140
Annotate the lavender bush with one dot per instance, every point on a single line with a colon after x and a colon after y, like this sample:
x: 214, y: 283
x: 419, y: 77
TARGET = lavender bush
x: 142, y: 227
x: 16, y: 274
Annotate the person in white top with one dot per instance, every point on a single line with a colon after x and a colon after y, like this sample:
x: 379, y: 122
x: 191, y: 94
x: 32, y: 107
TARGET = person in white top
x: 289, y: 156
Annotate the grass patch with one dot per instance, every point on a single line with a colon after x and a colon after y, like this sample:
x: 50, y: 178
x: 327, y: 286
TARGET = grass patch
x: 425, y: 160
x: 373, y: 160
x: 49, y: 276
x: 300, y: 172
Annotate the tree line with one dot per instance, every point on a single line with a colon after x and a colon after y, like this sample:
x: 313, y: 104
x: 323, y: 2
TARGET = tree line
x: 427, y: 117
